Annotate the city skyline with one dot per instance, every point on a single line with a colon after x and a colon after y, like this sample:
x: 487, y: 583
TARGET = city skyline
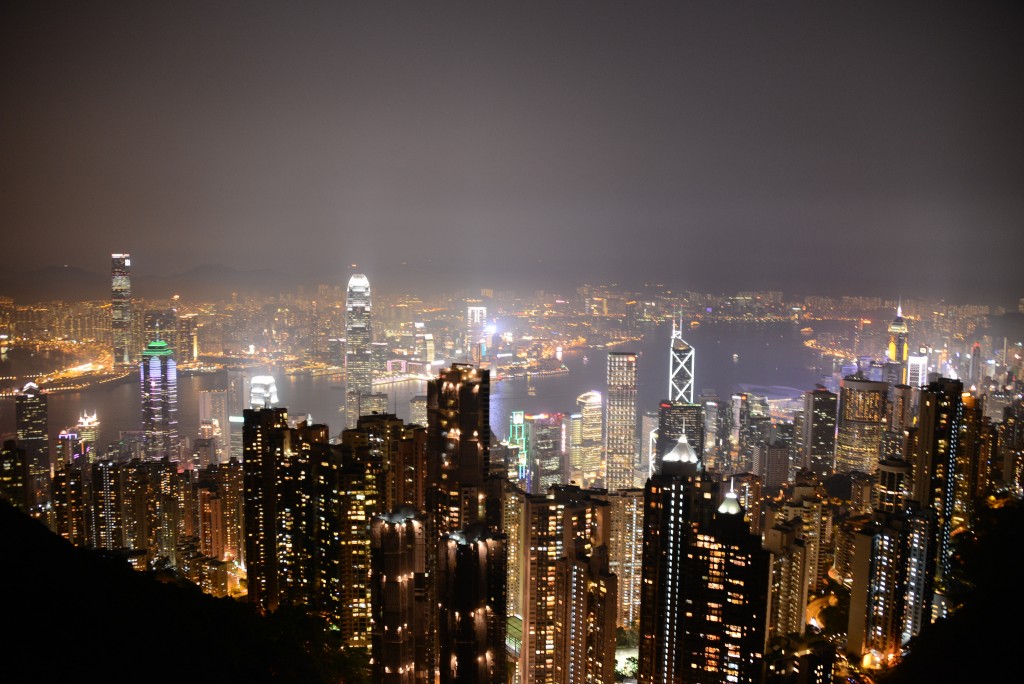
x: 781, y: 145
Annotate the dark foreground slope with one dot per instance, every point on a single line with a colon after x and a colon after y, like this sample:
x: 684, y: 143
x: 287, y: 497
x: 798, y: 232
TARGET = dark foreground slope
x: 74, y: 615
x: 981, y: 641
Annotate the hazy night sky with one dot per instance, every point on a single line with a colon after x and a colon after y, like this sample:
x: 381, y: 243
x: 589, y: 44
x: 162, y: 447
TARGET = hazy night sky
x: 820, y: 147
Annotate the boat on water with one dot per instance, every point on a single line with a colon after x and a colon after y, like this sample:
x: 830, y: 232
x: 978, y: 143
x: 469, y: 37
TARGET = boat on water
x: 807, y: 331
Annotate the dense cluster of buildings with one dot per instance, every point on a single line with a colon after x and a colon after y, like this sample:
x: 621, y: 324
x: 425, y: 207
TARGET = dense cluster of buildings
x: 706, y: 528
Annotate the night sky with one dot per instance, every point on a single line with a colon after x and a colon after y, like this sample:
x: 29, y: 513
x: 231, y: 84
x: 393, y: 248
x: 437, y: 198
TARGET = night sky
x: 863, y: 147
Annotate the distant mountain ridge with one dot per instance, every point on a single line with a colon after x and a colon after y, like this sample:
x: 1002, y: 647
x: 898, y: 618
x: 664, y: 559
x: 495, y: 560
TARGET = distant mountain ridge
x: 208, y: 282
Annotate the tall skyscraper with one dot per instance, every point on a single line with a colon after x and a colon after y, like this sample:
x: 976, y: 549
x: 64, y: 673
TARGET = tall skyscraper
x: 159, y: 378
x: 471, y: 580
x: 625, y: 551
x: 892, y: 588
x: 283, y: 507
x: 705, y: 595
x: 585, y: 454
x: 32, y: 425
x: 917, y: 370
x: 818, y: 430
x: 121, y: 323
x: 358, y: 350
x: 544, y: 444
x: 898, y: 350
x: 458, y: 449
x: 680, y: 367
x: 621, y: 441
x: 674, y: 419
x: 461, y: 494
x: 935, y: 450
x: 862, y: 411
x: 398, y: 580
x: 564, y: 525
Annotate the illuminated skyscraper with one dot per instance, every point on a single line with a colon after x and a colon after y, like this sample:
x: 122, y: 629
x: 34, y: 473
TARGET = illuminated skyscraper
x: 471, y: 580
x: 358, y: 350
x: 862, y: 410
x: 621, y: 441
x: 585, y: 615
x: 159, y: 377
x: 898, y: 350
x: 544, y: 446
x: 553, y: 524
x: 935, y: 450
x: 262, y: 391
x: 675, y: 418
x: 282, y: 509
x: 398, y: 581
x: 32, y: 424
x: 458, y: 449
x: 14, y: 476
x: 818, y: 431
x: 891, y: 593
x: 705, y: 594
x: 625, y: 550
x: 680, y: 373
x: 585, y: 455
x: 121, y: 324
x: 917, y: 370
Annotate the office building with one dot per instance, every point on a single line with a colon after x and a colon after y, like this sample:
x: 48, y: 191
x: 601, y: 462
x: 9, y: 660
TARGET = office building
x: 545, y: 440
x: 674, y: 419
x: 121, y: 319
x: 862, y: 411
x: 771, y: 463
x: 32, y: 429
x: 898, y: 351
x: 159, y: 377
x: 358, y: 350
x: 917, y: 370
x: 818, y: 430
x: 586, y: 439
x: 705, y: 595
x: 621, y: 443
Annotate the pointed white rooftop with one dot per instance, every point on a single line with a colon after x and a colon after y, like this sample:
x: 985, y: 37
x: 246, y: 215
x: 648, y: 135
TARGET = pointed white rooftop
x: 682, y: 452
x: 731, y: 504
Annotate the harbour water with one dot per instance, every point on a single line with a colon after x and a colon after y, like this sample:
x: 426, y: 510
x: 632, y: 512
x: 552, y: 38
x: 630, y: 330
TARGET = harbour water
x: 728, y: 357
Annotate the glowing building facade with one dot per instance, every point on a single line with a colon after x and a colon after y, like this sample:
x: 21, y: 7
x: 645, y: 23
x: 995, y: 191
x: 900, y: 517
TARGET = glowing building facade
x: 358, y: 349
x: 32, y: 425
x: 121, y: 323
x: 862, y: 410
x: 159, y: 378
x: 585, y: 445
x: 621, y: 438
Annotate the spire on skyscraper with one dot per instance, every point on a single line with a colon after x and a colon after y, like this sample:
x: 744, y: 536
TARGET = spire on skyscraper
x: 680, y: 368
